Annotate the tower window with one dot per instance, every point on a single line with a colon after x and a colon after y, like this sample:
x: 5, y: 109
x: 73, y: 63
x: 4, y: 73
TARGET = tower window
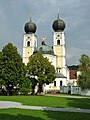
x: 28, y: 43
x: 58, y: 42
x: 54, y: 83
x: 58, y: 70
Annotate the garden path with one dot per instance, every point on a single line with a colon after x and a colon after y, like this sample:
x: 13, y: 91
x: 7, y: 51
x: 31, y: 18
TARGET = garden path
x: 9, y: 104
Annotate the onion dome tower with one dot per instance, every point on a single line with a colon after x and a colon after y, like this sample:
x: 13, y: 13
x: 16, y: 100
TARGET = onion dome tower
x: 59, y: 45
x: 30, y: 40
x: 30, y: 27
x: 58, y: 25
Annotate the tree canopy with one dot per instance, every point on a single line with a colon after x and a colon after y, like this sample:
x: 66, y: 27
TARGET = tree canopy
x: 41, y: 69
x: 73, y: 67
x: 12, y: 70
x: 84, y: 77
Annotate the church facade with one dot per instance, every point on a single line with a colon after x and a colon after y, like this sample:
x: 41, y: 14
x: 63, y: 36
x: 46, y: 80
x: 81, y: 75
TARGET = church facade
x: 55, y: 53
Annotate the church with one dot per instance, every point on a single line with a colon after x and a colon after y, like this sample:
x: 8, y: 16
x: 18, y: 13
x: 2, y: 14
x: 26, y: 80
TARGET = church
x: 55, y: 53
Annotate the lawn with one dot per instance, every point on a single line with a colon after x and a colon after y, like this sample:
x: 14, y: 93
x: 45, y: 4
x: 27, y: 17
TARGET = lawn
x: 21, y: 114
x: 50, y: 101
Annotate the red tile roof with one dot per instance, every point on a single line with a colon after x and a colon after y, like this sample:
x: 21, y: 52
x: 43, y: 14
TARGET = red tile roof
x: 73, y: 74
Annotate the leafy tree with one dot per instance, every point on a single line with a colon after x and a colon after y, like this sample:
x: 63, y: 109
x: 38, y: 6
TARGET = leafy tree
x: 12, y: 70
x: 1, y: 63
x: 32, y: 85
x: 84, y: 77
x: 25, y: 86
x: 73, y: 67
x: 41, y: 70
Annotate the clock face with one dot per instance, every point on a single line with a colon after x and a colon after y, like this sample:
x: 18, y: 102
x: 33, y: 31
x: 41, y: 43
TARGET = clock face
x: 58, y: 36
x: 28, y: 38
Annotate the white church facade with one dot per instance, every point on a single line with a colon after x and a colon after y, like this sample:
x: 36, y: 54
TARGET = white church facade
x: 55, y: 53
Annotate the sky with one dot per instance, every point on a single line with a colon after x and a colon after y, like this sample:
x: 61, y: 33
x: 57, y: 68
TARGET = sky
x: 75, y: 13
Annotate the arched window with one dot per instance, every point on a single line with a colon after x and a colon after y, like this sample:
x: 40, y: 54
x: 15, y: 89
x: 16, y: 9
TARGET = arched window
x: 58, y: 42
x: 28, y: 43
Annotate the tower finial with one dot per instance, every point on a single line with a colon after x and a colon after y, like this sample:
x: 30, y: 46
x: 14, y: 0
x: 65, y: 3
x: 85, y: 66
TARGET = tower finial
x: 58, y: 13
x: 30, y: 18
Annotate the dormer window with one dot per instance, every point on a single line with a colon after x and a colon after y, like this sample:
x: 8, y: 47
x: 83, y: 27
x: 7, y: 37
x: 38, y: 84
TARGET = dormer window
x: 58, y: 70
x: 40, y: 48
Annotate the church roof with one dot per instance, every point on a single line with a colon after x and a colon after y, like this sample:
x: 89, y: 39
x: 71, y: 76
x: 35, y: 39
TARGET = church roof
x: 59, y: 75
x: 44, y: 49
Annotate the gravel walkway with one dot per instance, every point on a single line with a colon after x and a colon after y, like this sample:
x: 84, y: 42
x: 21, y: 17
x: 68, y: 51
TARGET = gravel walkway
x: 9, y: 104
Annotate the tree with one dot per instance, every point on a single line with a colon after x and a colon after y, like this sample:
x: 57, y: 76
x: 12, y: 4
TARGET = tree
x: 41, y: 70
x: 12, y: 70
x: 1, y: 64
x: 73, y: 67
x: 84, y: 77
x: 25, y: 86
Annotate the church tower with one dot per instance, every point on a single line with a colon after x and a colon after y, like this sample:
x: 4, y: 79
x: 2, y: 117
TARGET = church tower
x: 59, y: 45
x: 29, y: 41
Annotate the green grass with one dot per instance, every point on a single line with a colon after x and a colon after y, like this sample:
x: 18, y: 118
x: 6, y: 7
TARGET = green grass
x: 21, y: 114
x: 50, y: 101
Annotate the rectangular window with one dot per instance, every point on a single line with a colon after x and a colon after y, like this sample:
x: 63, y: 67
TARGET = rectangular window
x: 54, y: 83
x: 60, y: 83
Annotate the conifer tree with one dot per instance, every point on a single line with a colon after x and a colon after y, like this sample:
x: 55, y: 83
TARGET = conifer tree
x: 84, y: 77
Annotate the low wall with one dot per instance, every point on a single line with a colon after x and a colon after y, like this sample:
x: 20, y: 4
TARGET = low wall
x: 75, y: 90
x: 85, y: 92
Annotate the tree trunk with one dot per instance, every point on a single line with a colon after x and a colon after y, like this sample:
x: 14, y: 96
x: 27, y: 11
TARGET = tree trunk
x: 40, y: 89
x: 9, y: 89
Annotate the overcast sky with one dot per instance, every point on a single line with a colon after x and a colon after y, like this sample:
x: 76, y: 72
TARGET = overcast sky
x: 75, y: 13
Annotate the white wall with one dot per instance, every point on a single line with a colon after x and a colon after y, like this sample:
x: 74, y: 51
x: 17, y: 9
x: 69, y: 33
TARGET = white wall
x: 75, y: 90
x: 51, y: 86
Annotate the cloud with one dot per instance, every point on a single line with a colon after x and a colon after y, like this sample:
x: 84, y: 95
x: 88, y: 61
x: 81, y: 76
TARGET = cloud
x: 74, y: 54
x: 15, y: 13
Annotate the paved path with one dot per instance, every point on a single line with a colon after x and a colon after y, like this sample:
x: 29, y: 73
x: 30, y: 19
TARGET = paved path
x: 68, y: 96
x: 9, y: 104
